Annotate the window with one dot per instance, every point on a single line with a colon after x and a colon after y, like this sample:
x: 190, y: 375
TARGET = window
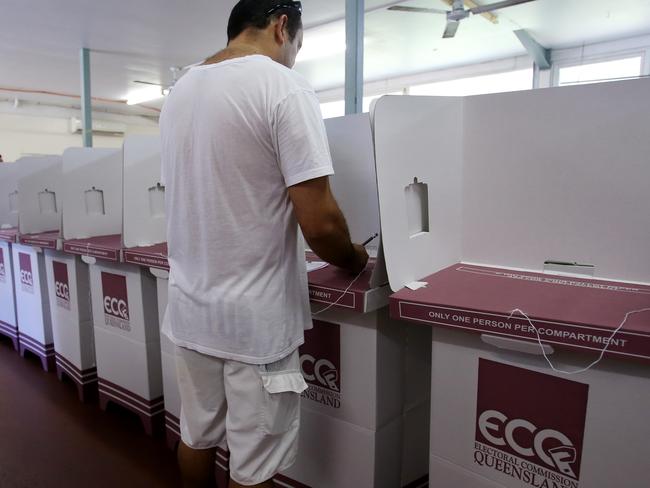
x: 337, y: 109
x: 477, y: 85
x: 617, y: 69
x: 333, y: 109
x: 367, y: 101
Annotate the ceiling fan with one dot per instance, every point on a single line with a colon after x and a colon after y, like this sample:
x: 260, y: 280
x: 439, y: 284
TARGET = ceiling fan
x: 459, y: 12
x: 166, y: 88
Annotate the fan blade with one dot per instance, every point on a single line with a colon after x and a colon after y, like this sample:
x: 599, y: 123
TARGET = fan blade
x: 495, y: 6
x: 450, y: 30
x: 418, y: 10
x: 147, y: 83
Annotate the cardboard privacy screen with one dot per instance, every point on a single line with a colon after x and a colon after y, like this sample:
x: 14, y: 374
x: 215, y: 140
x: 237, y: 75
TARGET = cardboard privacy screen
x: 92, y: 196
x: 39, y: 198
x: 561, y: 175
x: 10, y: 174
x: 8, y: 196
x: 516, y: 180
x: 418, y: 144
x: 144, y: 193
x: 354, y: 183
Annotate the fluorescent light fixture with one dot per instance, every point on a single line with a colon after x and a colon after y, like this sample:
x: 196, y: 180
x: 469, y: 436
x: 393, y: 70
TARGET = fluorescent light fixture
x: 322, y: 43
x: 144, y: 95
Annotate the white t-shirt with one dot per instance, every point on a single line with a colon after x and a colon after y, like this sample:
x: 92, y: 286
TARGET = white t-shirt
x: 235, y: 135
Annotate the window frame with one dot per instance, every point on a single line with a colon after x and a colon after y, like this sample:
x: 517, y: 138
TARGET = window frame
x: 481, y: 75
x: 595, y: 59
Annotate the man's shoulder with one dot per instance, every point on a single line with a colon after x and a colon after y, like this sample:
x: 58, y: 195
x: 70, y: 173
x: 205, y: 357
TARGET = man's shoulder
x: 291, y: 79
x: 300, y: 81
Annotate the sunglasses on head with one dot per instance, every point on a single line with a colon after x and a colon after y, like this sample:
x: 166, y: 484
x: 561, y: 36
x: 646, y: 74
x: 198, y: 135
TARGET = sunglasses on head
x: 289, y: 4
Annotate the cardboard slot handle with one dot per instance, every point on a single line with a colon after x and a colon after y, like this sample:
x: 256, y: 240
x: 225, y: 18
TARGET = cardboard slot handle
x: 95, y: 202
x: 417, y: 207
x: 47, y: 202
x: 157, y: 201
x: 516, y: 345
x: 569, y: 267
x: 13, y: 202
x: 161, y: 274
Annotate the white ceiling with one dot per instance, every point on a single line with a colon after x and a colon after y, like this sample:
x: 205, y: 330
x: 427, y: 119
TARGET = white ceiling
x: 399, y: 43
x: 40, y: 39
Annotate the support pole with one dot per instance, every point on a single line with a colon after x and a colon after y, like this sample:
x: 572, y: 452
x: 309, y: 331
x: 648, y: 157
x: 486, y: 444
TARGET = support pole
x: 86, y: 102
x: 536, y: 76
x: 540, y: 55
x: 354, y: 30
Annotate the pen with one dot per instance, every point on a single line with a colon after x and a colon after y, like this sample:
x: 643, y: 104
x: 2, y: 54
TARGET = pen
x: 370, y: 239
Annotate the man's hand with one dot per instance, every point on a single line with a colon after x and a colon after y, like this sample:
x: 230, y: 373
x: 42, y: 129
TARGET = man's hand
x: 324, y: 226
x: 360, y: 259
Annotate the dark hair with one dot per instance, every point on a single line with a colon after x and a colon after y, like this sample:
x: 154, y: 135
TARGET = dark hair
x: 258, y: 14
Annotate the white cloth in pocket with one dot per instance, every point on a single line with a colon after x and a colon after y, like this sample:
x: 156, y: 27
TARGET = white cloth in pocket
x: 283, y: 383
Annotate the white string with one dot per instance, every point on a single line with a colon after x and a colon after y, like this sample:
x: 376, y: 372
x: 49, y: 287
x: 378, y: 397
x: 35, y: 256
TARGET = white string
x: 602, y: 352
x: 340, y: 298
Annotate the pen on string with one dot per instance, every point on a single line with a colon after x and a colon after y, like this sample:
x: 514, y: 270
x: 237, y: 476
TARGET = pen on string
x: 370, y: 239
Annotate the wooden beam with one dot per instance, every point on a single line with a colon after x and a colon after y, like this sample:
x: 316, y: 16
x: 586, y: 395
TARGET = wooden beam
x: 471, y: 4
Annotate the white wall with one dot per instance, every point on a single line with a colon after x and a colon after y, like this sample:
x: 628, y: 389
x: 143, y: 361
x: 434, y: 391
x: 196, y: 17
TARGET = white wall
x: 31, y: 130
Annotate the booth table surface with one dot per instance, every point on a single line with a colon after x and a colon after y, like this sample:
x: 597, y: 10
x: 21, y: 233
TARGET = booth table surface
x: 9, y: 235
x: 103, y: 247
x: 327, y: 285
x: 567, y: 311
x: 46, y: 240
x: 153, y: 256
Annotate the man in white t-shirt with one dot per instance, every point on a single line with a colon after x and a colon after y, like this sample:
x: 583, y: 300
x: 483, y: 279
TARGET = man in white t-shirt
x: 245, y: 164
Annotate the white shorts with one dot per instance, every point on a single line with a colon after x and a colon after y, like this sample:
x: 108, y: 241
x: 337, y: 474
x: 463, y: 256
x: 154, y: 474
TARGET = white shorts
x: 253, y: 410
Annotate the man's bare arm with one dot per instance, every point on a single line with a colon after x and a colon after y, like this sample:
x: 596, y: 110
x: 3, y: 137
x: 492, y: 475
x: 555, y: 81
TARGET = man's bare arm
x: 324, y: 225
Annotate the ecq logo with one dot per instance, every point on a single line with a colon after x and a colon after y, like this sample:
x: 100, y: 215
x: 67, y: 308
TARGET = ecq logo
x: 61, y: 284
x: 116, y: 302
x: 500, y: 431
x: 320, y: 370
x: 116, y: 307
x: 320, y: 356
x: 25, y: 265
x: 537, y: 417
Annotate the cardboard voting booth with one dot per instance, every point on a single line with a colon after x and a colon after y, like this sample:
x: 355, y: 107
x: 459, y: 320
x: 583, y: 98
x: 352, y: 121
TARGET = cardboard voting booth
x: 68, y: 288
x: 144, y: 242
x: 8, y: 233
x: 368, y: 376
x: 10, y: 174
x: 529, y: 261
x: 124, y: 309
x: 38, y: 214
x: 170, y: 382
x: 72, y: 325
x: 8, y: 322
